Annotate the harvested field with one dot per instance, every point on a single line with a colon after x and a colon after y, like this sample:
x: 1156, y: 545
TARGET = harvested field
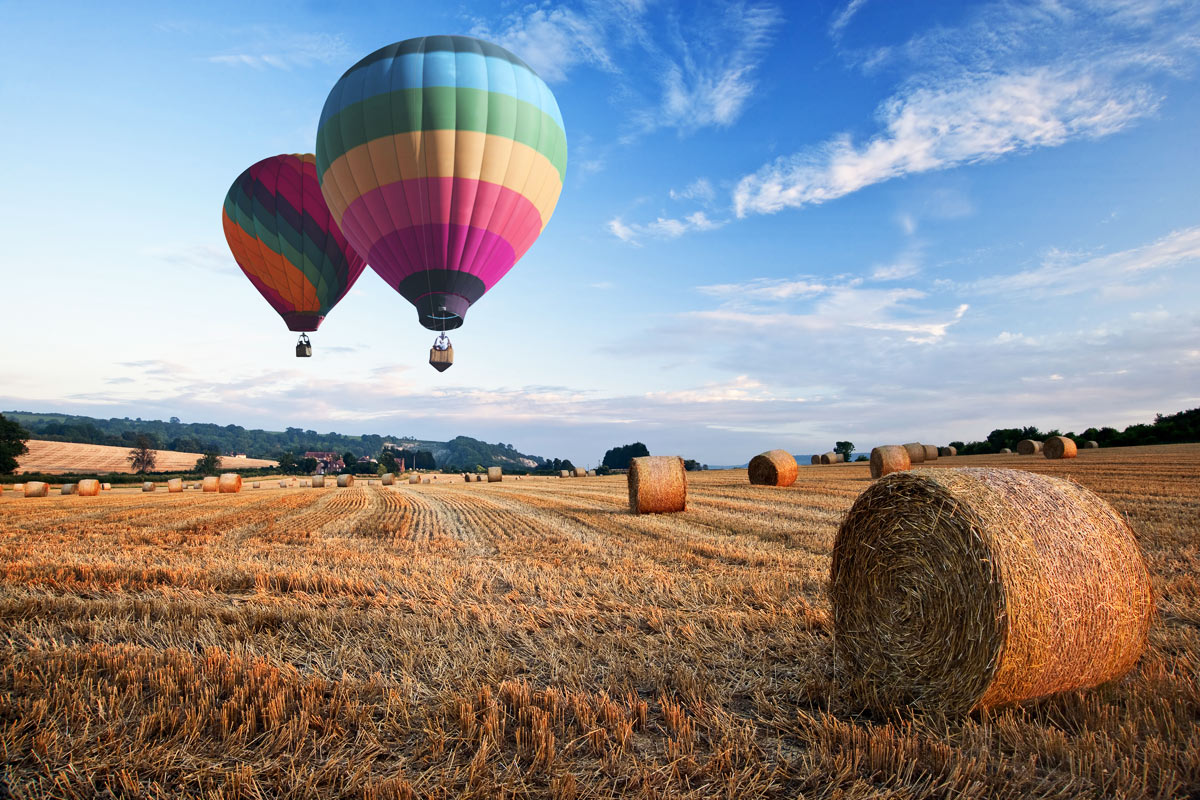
x: 56, y: 457
x: 533, y: 639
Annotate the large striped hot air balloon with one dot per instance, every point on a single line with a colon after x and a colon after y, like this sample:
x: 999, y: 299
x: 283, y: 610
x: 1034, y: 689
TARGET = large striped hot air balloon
x: 285, y: 240
x: 442, y: 159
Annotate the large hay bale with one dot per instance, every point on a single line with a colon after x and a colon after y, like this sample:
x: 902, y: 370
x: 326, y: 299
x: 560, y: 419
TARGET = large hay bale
x: 1005, y: 451
x: 414, y: 478
x: 931, y: 452
x: 344, y: 481
x: 67, y: 488
x: 87, y: 488
x: 945, y: 452
x: 495, y: 475
x: 318, y: 481
x: 1091, y: 444
x: 36, y: 488
x: 956, y: 589
x: 388, y: 479
x: 657, y: 484
x: 916, y: 453
x: 564, y: 473
x: 175, y: 485
x: 889, y: 458
x: 149, y: 486
x: 210, y: 483
x: 830, y: 457
x: 1059, y: 447
x: 1029, y: 447
x: 229, y: 483
x: 580, y: 472
x: 773, y: 468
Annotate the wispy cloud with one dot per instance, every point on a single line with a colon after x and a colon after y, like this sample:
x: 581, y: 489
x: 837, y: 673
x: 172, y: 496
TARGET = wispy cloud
x: 843, y: 17
x: 765, y: 289
x: 208, y: 257
x: 700, y: 189
x: 273, y: 49
x: 554, y: 41
x: 662, y: 228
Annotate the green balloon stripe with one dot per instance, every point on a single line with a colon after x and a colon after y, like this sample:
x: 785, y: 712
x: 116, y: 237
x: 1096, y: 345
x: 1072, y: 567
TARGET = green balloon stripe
x: 441, y: 108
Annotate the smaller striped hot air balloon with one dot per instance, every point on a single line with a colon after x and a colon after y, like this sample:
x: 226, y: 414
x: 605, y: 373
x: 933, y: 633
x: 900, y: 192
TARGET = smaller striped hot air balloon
x: 284, y: 238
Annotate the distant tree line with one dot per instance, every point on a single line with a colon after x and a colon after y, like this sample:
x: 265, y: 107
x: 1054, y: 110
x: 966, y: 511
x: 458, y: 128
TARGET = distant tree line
x: 1177, y: 428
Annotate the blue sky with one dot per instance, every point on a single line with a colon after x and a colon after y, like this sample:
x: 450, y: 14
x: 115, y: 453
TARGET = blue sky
x: 782, y: 224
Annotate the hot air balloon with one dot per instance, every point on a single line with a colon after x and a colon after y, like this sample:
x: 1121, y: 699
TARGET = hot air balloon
x: 442, y: 159
x: 285, y: 240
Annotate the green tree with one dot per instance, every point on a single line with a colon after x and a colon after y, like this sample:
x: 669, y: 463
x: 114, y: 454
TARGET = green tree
x: 388, y: 462
x: 209, y: 463
x: 287, y: 462
x: 691, y: 464
x: 308, y: 466
x: 12, y: 444
x: 845, y: 448
x: 142, y: 456
x: 349, y: 459
x: 619, y: 457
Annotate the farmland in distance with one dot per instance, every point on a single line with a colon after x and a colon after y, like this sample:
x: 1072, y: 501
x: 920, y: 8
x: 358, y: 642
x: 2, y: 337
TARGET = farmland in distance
x: 57, y: 457
x: 533, y: 639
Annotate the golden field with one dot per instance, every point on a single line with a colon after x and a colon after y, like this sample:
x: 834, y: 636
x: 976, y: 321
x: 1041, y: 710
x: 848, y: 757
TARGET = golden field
x: 58, y: 457
x: 533, y: 639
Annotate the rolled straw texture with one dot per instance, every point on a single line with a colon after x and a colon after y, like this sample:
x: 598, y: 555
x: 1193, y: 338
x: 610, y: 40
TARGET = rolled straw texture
x: 106, y: 486
x: 564, y: 473
x: 318, y: 481
x: 773, y: 468
x: 67, y: 488
x: 466, y: 478
x: 175, y: 485
x: 1091, y: 445
x: 580, y: 473
x: 931, y: 452
x: 229, y: 483
x: 1028, y: 447
x: 916, y: 453
x: 210, y: 483
x: 1005, y: 451
x: 889, y: 458
x: 945, y: 452
x: 829, y: 458
x: 87, y: 488
x: 149, y: 487
x: 591, y: 473
x: 345, y: 480
x: 657, y: 485
x: 479, y: 479
x: 388, y: 479
x: 414, y: 478
x: 283, y: 484
x: 815, y: 460
x: 1059, y: 447
x: 427, y: 480
x: 256, y: 485
x: 36, y: 489
x: 956, y: 589
x: 495, y: 475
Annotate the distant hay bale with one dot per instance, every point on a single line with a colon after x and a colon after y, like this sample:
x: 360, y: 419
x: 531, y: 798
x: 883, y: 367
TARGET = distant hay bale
x: 256, y: 485
x: 36, y: 488
x: 773, y: 468
x: 580, y: 473
x: 1059, y: 447
x: 318, y: 481
x: 175, y: 485
x: 149, y: 486
x: 414, y: 478
x: 427, y: 480
x: 1005, y: 451
x: 815, y: 460
x: 478, y: 478
x: 67, y: 488
x: 106, y: 486
x: 1091, y: 444
x: 931, y: 452
x: 495, y: 475
x: 591, y: 473
x: 345, y: 480
x: 210, y: 483
x: 889, y: 458
x: 1029, y: 447
x: 831, y: 458
x: 87, y: 488
x: 657, y: 485
x: 916, y: 453
x: 957, y: 589
x: 467, y: 478
x: 229, y: 483
x: 564, y: 473
x: 283, y: 484
x: 388, y: 479
x: 945, y: 452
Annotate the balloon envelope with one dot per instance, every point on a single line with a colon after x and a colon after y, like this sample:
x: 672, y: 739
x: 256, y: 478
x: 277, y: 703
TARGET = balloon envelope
x: 285, y: 240
x: 442, y: 159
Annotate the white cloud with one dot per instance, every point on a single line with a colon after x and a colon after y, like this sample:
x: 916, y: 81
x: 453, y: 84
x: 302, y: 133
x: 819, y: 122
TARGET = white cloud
x: 622, y: 231
x: 284, y: 50
x: 843, y: 17
x: 907, y: 265
x: 1069, y: 273
x: 765, y: 289
x: 553, y: 41
x: 699, y: 189
x: 969, y: 120
x: 662, y: 228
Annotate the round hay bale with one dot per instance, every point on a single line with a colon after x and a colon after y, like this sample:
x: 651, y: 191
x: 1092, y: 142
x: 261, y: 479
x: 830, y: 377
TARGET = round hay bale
x: 591, y: 473
x: 106, y: 487
x: 67, y: 488
x: 1005, y: 451
x: 414, y: 478
x: 889, y: 458
x: 956, y: 589
x: 229, y: 483
x: 916, y: 453
x: 466, y: 478
x: 564, y: 473
x: 495, y: 475
x: 815, y: 460
x: 773, y: 468
x: 148, y: 486
x: 318, y: 481
x: 1059, y: 447
x: 580, y: 473
x: 388, y: 479
x: 478, y: 478
x: 36, y: 488
x: 946, y: 452
x: 283, y: 484
x: 829, y: 458
x: 426, y: 481
x: 344, y: 481
x: 1091, y: 444
x: 256, y: 485
x: 931, y: 452
x: 210, y: 483
x: 657, y: 485
x: 87, y: 488
x: 175, y: 485
x: 1029, y: 447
